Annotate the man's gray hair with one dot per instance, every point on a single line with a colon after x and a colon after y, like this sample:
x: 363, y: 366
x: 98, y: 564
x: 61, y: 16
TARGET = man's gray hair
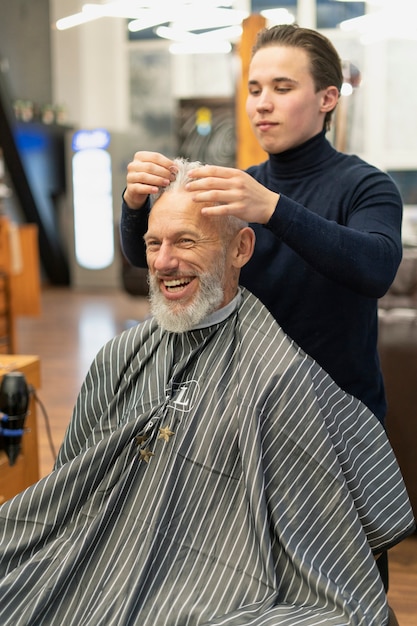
x: 230, y: 224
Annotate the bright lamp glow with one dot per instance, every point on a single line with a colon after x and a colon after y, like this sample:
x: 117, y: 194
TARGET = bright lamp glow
x: 121, y: 8
x: 278, y: 16
x: 74, y: 20
x: 196, y: 19
x: 192, y: 14
x: 346, y: 90
x: 93, y: 208
x: 213, y: 36
x: 204, y: 47
x: 188, y: 18
x: 148, y: 19
x: 216, y: 41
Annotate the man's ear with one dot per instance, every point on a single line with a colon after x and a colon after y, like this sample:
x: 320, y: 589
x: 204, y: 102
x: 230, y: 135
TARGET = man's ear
x: 330, y: 99
x: 244, y: 244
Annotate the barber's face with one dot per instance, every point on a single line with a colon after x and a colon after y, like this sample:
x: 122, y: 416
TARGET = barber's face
x: 282, y: 104
x: 188, y: 268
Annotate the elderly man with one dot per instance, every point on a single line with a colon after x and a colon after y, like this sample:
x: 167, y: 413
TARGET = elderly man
x: 212, y: 472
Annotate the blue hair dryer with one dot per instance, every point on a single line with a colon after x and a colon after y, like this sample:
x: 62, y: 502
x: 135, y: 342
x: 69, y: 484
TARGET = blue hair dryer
x: 14, y: 402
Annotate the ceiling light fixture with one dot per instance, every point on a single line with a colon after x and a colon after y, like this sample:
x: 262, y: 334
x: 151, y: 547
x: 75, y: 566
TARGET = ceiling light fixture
x: 219, y: 21
x: 211, y: 42
x: 190, y: 18
x: 197, y: 14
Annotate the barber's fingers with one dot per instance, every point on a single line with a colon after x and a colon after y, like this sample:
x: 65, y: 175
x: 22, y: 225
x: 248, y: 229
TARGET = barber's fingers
x: 215, y: 177
x: 146, y: 174
x: 153, y: 157
x: 250, y: 201
x: 222, y: 185
x: 150, y: 168
x: 248, y: 211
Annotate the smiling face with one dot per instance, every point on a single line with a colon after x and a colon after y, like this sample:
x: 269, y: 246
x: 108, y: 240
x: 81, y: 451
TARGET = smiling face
x: 283, y: 106
x: 191, y: 271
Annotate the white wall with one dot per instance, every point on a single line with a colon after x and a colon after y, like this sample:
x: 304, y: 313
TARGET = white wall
x: 90, y: 70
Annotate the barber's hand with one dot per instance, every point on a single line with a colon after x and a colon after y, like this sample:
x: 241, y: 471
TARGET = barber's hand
x: 146, y: 174
x: 235, y: 192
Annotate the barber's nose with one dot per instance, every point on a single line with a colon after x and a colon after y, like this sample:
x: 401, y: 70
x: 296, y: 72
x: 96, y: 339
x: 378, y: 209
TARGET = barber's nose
x: 264, y: 102
x: 165, y: 258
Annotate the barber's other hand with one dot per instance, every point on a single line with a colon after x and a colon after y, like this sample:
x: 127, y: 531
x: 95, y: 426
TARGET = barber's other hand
x: 235, y: 192
x: 146, y: 174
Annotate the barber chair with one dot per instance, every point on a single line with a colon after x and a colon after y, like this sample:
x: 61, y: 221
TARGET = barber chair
x: 397, y: 345
x: 392, y: 619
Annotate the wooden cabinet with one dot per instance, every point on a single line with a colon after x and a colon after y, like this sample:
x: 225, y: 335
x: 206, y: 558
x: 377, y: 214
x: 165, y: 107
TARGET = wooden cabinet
x: 25, y: 471
x: 19, y: 279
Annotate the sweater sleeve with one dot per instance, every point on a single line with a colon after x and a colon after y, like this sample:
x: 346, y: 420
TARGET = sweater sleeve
x: 364, y: 252
x: 133, y: 226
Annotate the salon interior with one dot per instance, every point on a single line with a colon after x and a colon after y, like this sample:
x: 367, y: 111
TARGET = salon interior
x: 82, y: 88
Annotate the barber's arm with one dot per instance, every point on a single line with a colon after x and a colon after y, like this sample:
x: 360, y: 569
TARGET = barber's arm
x: 363, y: 254
x: 133, y: 226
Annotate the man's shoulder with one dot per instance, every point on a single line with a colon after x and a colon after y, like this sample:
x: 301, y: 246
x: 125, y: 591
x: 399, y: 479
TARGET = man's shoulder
x: 251, y: 304
x: 138, y: 333
x: 255, y: 319
x: 269, y: 354
x: 354, y: 165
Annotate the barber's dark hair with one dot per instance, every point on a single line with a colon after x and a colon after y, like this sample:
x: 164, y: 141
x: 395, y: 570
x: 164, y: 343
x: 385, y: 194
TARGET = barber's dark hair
x: 325, y: 63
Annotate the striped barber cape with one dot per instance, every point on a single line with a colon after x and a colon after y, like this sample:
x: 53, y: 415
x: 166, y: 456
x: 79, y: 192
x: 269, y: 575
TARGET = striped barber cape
x: 213, y: 477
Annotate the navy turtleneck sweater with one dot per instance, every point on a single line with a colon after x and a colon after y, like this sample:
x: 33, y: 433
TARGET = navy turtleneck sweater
x: 330, y: 250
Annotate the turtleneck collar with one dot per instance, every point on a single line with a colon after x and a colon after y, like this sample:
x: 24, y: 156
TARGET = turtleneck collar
x: 306, y: 156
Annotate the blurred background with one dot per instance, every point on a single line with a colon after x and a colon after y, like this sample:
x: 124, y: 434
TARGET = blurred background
x: 89, y: 84
x: 85, y: 85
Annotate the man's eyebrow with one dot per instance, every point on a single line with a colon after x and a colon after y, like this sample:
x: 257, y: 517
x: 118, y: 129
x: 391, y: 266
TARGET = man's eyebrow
x: 180, y: 233
x: 278, y: 79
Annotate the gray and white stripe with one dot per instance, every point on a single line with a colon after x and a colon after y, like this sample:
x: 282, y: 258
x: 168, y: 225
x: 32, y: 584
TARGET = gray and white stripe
x: 261, y: 509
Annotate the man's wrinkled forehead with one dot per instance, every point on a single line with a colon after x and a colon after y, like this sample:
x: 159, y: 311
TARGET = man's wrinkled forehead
x: 176, y: 211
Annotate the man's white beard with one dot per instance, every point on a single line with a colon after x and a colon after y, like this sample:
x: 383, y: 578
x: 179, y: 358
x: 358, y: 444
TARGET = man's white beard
x: 179, y: 318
